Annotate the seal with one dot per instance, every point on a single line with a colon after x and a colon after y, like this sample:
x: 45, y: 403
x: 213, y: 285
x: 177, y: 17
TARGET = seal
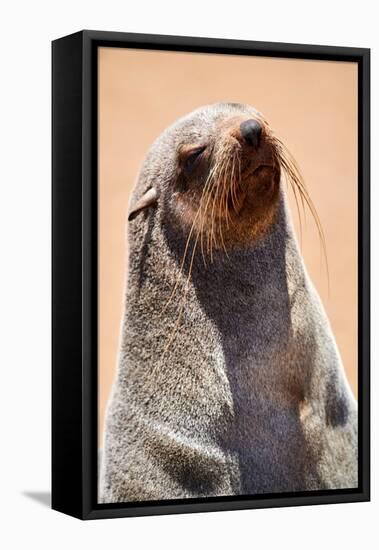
x: 229, y: 380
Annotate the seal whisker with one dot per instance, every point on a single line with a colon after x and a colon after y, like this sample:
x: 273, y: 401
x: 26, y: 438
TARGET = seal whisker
x: 235, y: 179
x: 314, y: 213
x: 205, y: 196
x: 295, y: 191
x: 293, y: 174
x: 220, y: 186
x: 182, y: 304
x: 181, y: 266
x: 183, y: 258
x: 222, y: 214
x: 189, y: 238
x: 233, y: 183
x: 201, y: 229
x: 225, y: 189
x: 236, y: 185
x: 209, y: 192
x: 215, y: 201
x: 289, y: 165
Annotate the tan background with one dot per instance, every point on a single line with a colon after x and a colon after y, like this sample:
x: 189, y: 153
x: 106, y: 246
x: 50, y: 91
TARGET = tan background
x: 311, y: 105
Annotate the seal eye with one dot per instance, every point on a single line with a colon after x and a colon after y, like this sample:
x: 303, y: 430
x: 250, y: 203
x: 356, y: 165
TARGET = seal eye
x: 193, y: 157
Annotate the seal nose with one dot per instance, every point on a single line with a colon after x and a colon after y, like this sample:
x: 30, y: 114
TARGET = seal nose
x: 251, y: 131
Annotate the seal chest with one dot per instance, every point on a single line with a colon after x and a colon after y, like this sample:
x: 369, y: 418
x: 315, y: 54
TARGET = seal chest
x: 229, y: 379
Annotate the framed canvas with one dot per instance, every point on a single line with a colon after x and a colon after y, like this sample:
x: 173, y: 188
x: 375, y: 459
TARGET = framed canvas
x: 210, y: 274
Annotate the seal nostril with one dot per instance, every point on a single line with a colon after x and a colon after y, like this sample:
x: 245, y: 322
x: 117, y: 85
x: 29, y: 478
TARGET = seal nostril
x: 251, y: 132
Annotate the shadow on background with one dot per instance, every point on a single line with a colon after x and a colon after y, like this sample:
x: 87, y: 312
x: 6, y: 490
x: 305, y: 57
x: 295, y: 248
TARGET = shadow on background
x: 42, y: 497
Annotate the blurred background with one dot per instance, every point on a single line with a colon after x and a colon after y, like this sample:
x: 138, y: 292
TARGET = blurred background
x: 311, y: 105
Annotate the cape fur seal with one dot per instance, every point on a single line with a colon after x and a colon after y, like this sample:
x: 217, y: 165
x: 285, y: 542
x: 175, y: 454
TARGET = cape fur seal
x: 229, y: 379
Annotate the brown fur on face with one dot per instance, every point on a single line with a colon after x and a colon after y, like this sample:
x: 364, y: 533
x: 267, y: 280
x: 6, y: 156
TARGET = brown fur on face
x: 226, y: 192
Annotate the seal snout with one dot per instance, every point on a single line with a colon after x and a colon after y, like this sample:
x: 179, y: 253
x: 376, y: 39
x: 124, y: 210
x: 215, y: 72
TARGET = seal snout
x: 251, y: 131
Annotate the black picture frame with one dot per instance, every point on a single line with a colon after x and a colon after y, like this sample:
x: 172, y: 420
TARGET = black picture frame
x: 74, y: 271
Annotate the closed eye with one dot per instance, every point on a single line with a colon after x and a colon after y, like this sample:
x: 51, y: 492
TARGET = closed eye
x: 192, y: 157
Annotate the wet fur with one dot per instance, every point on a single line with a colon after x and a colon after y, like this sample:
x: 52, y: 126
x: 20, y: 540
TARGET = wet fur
x: 250, y: 394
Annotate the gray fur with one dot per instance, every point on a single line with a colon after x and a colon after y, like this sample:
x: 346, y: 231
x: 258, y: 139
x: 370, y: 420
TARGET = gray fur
x: 250, y: 396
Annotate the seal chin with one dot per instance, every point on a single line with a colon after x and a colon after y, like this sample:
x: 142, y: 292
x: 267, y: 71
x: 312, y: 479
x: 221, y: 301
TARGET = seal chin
x: 256, y: 187
x: 265, y: 178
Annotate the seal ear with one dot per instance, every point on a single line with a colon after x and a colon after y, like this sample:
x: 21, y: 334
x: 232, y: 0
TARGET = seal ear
x: 148, y: 199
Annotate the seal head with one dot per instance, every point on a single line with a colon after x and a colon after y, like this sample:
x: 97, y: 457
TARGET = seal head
x: 219, y: 178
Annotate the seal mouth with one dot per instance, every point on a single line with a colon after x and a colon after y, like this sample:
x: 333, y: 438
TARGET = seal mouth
x: 261, y: 179
x: 261, y: 169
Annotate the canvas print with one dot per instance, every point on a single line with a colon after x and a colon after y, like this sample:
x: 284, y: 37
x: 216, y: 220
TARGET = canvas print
x: 227, y: 268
